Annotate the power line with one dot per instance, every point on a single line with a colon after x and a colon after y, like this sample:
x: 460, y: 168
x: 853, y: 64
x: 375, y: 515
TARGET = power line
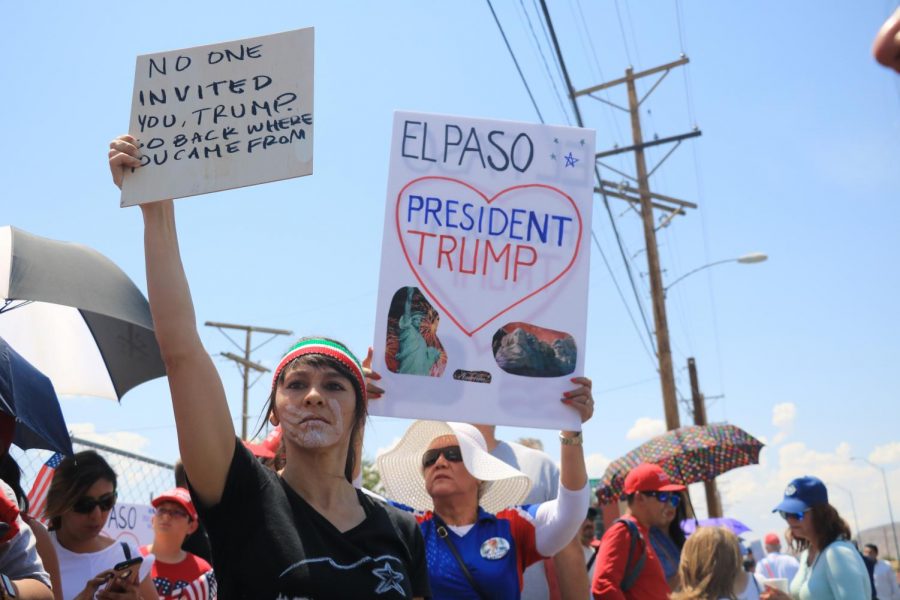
x: 622, y: 296
x: 515, y: 62
x: 546, y: 64
x: 622, y: 31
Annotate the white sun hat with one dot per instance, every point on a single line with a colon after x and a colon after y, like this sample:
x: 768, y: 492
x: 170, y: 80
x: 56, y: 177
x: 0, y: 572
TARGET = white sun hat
x: 403, y: 479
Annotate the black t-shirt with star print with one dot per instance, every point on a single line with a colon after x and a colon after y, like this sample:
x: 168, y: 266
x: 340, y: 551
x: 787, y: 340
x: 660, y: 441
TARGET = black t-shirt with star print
x: 268, y: 543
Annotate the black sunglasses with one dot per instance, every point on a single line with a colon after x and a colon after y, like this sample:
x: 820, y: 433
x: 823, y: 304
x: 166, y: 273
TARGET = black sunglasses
x: 671, y: 498
x: 86, y: 504
x: 451, y: 453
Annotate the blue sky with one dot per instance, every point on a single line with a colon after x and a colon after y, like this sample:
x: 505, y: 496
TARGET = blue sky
x: 798, y: 159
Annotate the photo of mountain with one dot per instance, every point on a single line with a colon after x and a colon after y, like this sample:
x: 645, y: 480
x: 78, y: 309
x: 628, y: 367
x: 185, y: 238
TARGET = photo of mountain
x: 532, y: 351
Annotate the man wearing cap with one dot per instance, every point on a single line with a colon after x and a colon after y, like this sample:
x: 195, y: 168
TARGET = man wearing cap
x: 627, y: 568
x: 177, y: 573
x: 883, y: 575
x: 777, y: 565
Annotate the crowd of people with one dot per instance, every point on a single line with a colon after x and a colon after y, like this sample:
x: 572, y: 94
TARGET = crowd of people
x: 466, y: 515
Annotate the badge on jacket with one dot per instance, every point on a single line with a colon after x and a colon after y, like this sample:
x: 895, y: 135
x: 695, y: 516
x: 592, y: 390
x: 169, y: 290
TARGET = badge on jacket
x: 494, y: 548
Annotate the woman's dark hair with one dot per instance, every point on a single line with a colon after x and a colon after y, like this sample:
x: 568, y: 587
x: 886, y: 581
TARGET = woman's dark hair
x: 72, y: 479
x: 676, y: 533
x: 360, y: 410
x: 827, y: 525
x: 12, y: 475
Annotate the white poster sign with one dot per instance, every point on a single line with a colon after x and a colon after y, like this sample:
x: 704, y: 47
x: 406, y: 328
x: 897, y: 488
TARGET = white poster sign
x: 222, y: 116
x: 482, y: 301
x: 130, y: 523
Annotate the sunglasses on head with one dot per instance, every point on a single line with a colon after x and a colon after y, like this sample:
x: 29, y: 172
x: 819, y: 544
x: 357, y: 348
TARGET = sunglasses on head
x: 86, y: 504
x: 451, y: 453
x: 670, y: 497
x: 793, y: 515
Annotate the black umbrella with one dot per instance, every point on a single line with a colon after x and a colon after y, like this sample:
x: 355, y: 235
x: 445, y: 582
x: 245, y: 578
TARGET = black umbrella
x: 27, y: 395
x: 76, y: 316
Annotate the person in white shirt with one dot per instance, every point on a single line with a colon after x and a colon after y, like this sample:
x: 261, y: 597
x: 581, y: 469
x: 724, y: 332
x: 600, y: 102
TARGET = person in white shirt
x: 776, y: 565
x: 885, y: 578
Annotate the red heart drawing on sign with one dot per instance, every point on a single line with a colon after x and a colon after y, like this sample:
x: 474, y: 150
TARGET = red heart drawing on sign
x: 435, y: 291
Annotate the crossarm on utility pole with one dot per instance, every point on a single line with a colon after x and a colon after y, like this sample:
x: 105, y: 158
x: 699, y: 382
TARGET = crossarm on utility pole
x: 681, y: 61
x: 244, y: 362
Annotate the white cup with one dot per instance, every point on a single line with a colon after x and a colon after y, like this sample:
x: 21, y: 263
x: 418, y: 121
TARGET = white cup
x: 779, y: 583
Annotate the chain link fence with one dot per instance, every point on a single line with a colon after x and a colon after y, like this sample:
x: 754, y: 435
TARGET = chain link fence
x: 140, y: 478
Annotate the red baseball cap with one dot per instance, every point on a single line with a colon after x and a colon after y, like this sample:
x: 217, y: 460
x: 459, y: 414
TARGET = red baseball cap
x: 772, y: 539
x: 179, y: 496
x: 647, y: 477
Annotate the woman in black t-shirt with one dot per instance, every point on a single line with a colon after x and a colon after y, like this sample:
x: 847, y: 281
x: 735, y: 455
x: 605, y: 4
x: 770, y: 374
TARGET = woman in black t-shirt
x: 306, y: 533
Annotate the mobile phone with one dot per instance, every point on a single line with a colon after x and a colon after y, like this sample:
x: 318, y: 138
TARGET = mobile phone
x: 127, y: 568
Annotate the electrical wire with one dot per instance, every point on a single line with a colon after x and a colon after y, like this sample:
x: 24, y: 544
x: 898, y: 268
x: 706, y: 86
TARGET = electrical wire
x: 546, y: 64
x: 622, y: 31
x: 682, y: 37
x: 515, y: 62
x: 650, y: 354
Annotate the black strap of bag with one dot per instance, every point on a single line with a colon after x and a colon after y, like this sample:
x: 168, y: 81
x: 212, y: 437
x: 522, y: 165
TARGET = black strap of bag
x: 126, y: 550
x: 445, y: 535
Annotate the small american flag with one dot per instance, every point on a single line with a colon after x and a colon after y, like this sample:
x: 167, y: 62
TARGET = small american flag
x: 202, y: 588
x: 37, y: 497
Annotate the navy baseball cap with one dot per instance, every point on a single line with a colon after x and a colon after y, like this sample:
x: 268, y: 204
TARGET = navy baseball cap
x: 803, y: 493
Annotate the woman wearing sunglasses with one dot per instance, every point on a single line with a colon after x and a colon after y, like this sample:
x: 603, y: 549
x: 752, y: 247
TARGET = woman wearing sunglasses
x: 477, y: 540
x: 79, y: 499
x: 668, y: 541
x: 831, y: 567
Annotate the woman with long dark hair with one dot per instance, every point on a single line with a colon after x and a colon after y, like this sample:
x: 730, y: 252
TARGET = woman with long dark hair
x: 831, y: 567
x: 667, y: 542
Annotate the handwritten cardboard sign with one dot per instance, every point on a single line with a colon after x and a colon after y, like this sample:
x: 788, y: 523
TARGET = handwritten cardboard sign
x: 482, y: 302
x: 222, y: 116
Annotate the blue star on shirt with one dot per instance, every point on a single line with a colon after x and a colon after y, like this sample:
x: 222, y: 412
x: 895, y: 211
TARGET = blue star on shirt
x: 389, y: 579
x: 570, y: 160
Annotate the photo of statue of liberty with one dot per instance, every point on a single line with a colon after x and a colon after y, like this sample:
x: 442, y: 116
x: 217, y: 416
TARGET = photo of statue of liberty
x: 413, y: 347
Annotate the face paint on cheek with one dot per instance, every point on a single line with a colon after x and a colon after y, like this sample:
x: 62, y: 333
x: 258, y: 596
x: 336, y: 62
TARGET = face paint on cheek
x: 297, y: 426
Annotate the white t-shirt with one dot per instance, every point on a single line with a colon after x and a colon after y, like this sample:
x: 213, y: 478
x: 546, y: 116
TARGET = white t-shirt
x: 777, y: 565
x: 886, y: 587
x: 76, y: 568
x: 544, y: 476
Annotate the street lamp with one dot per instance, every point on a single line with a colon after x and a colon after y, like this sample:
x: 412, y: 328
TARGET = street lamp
x: 852, y: 506
x: 746, y: 259
x: 887, y: 495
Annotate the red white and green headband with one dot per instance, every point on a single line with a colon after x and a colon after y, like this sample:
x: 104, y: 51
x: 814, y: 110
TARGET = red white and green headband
x: 328, y: 348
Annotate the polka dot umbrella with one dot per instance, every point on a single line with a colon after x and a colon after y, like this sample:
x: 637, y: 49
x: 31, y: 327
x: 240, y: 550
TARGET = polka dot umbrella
x: 687, y: 454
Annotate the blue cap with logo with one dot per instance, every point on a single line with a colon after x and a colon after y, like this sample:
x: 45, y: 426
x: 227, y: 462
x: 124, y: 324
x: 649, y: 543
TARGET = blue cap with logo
x: 803, y: 493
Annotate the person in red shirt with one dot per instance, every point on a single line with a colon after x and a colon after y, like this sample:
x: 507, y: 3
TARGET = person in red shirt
x: 176, y: 573
x: 625, y: 549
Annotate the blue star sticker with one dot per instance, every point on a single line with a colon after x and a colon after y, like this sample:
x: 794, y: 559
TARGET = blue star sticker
x: 389, y: 579
x: 570, y: 160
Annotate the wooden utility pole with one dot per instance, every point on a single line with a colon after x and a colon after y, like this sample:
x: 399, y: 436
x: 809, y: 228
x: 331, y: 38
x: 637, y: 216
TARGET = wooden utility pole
x: 244, y: 361
x: 713, y: 502
x: 644, y: 198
